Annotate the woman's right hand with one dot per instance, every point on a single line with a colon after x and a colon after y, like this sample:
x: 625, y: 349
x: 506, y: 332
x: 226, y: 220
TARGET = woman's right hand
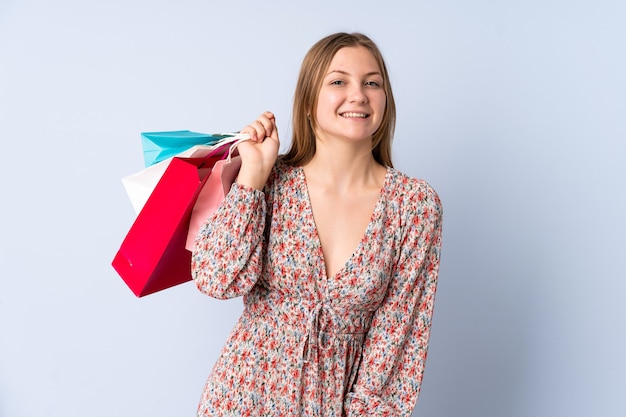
x: 258, y: 154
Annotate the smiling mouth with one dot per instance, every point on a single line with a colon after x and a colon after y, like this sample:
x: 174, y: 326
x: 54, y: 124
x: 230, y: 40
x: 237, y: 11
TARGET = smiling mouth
x: 354, y: 115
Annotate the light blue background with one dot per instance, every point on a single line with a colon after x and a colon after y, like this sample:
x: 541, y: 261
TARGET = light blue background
x: 513, y: 111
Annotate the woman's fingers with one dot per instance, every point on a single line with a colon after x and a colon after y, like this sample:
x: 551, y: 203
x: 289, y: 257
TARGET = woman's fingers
x: 259, y: 150
x: 273, y: 136
x: 265, y: 125
x: 261, y: 128
x: 255, y: 130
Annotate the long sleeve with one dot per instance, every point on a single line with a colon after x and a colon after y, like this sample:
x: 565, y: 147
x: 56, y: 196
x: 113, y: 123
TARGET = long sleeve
x: 227, y: 257
x: 395, y: 348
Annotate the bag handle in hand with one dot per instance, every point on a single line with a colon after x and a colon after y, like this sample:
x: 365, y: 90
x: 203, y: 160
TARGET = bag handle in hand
x: 243, y: 137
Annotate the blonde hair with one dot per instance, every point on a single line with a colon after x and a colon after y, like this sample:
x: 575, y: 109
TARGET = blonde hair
x: 312, y: 72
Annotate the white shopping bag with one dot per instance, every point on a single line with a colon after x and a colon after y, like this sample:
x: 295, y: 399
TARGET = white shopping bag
x: 139, y: 185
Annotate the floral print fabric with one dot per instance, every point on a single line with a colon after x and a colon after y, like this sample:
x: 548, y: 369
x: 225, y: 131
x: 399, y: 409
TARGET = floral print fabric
x: 310, y: 345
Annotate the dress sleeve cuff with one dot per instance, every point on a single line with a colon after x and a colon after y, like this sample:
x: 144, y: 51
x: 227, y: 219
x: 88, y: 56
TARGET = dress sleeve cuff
x: 359, y: 405
x: 251, y: 197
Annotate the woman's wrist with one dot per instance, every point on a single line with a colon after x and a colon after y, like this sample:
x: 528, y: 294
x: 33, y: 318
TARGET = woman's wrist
x: 252, y: 177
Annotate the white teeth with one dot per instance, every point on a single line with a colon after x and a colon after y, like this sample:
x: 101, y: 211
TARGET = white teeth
x: 350, y: 114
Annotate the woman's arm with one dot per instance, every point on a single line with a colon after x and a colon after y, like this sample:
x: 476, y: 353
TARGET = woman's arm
x: 228, y: 253
x: 394, y: 352
x: 227, y: 257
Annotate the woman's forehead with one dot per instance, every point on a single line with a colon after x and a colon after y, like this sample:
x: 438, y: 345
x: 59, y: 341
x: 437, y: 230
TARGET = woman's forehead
x: 354, y: 59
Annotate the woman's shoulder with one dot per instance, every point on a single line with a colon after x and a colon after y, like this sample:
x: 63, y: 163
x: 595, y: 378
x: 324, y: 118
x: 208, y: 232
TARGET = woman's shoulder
x: 283, y: 170
x: 282, y: 176
x: 414, y: 194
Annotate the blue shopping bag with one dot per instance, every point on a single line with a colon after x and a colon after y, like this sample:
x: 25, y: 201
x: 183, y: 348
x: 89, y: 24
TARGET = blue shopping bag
x: 159, y: 146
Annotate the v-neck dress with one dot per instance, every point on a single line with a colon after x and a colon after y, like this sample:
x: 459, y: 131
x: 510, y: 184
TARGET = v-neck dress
x: 310, y: 345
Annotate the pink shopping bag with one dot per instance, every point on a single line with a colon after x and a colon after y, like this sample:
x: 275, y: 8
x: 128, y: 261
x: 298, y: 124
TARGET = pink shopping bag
x: 213, y: 192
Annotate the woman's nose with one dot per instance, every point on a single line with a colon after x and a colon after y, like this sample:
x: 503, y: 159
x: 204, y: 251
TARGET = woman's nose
x: 357, y: 94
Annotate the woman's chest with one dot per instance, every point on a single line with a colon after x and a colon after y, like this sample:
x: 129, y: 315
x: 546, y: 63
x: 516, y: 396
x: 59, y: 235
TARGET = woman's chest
x: 295, y: 262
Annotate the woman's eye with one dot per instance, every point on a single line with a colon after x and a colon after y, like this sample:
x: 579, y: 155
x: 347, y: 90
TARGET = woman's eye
x: 337, y: 82
x: 372, y: 84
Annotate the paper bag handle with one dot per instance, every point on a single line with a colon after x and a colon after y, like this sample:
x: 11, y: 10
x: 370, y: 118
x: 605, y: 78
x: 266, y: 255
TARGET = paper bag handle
x: 244, y: 137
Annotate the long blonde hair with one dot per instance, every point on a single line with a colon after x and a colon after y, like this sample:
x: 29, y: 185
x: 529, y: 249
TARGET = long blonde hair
x: 312, y: 72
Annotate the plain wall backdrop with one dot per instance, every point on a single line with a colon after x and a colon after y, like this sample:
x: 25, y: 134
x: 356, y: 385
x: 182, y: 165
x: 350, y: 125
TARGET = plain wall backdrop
x: 513, y: 111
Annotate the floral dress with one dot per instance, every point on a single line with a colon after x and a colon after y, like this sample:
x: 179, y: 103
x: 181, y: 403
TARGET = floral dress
x: 311, y: 345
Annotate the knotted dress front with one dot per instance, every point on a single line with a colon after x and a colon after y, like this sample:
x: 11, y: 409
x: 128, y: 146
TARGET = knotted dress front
x: 311, y: 345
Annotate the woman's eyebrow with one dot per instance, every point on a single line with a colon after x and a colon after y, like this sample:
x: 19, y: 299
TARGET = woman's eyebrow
x: 347, y: 73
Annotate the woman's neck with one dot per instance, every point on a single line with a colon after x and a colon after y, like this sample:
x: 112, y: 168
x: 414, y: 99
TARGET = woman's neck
x: 344, y: 165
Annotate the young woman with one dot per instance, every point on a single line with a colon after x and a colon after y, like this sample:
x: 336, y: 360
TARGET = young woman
x: 335, y: 252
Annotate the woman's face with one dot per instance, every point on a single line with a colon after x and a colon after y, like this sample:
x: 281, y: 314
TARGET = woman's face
x: 351, y: 101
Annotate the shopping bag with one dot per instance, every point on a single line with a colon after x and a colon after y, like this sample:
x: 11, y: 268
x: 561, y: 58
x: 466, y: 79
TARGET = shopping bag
x: 159, y: 146
x: 139, y: 185
x: 213, y: 192
x: 152, y: 256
